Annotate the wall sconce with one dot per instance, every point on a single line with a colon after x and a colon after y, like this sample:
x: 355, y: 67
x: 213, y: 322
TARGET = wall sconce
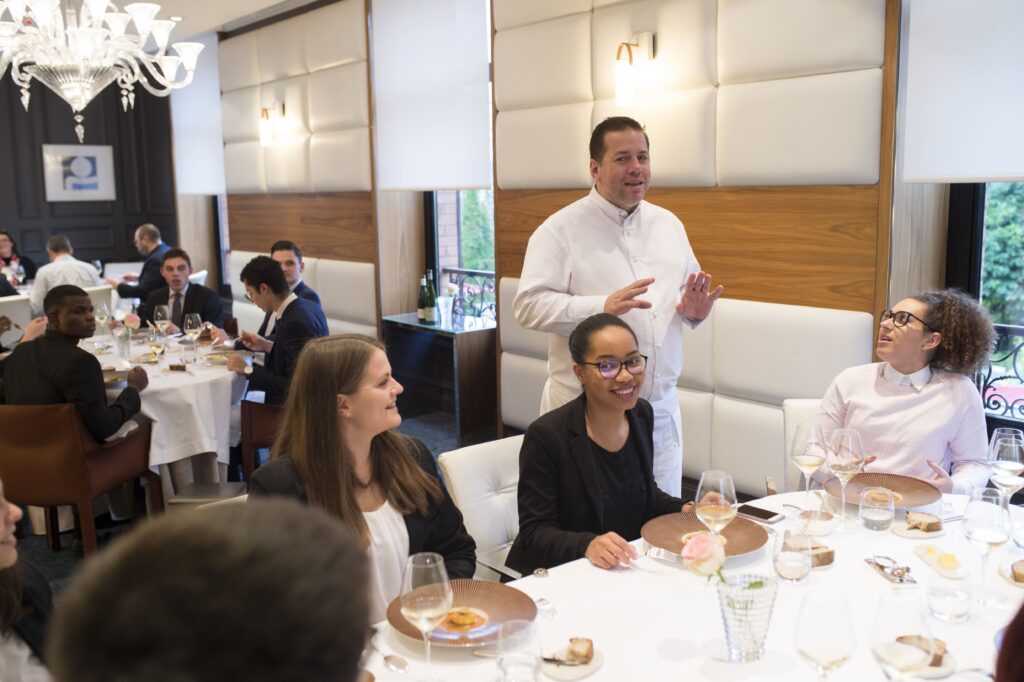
x: 270, y: 121
x: 627, y: 58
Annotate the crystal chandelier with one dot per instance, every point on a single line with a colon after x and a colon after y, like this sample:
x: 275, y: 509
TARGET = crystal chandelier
x: 78, y: 54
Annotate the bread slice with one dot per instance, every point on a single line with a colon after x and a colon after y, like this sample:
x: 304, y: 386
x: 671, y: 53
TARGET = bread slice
x: 922, y: 643
x: 821, y: 555
x: 1017, y: 567
x: 929, y: 523
x: 581, y: 650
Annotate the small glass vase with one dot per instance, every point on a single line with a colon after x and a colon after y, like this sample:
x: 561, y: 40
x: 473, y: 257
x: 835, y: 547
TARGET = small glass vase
x: 123, y: 342
x: 746, y: 600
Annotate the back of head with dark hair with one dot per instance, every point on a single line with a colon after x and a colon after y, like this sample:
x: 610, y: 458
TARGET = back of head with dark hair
x: 286, y: 245
x: 56, y: 297
x: 579, y: 340
x: 967, y: 333
x: 265, y: 270
x: 613, y: 124
x: 177, y: 253
x: 263, y: 591
x: 58, y: 243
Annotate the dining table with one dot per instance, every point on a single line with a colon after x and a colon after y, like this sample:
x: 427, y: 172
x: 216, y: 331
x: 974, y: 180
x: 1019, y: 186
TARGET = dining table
x: 655, y: 620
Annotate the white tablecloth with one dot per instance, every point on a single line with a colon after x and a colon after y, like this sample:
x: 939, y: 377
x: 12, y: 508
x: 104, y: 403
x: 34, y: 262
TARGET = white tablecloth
x: 658, y: 622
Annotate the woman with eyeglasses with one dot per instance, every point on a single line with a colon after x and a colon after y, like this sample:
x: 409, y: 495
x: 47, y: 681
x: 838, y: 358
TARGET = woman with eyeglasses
x: 586, y: 483
x: 918, y: 411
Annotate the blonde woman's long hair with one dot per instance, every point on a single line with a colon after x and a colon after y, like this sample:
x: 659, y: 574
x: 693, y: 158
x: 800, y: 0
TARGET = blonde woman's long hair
x: 311, y: 434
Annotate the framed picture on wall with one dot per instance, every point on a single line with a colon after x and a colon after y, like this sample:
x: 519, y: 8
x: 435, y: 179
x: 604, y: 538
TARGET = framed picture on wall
x: 79, y: 172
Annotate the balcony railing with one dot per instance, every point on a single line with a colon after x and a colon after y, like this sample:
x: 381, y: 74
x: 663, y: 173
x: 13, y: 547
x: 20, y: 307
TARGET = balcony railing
x: 474, y: 292
x: 1001, y: 381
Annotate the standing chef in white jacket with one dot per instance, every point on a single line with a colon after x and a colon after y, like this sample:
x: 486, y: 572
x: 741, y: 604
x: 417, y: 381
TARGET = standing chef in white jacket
x: 614, y: 252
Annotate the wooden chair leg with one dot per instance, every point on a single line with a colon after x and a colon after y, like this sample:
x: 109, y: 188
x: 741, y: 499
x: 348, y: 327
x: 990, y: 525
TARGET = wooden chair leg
x: 52, y: 529
x: 154, y: 492
x: 248, y: 462
x: 87, y: 527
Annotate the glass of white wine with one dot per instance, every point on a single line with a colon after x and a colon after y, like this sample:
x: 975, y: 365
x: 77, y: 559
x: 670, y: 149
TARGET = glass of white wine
x: 193, y: 328
x: 901, y: 640
x: 845, y: 459
x: 162, y: 318
x: 987, y: 526
x: 102, y: 315
x: 824, y: 635
x: 1001, y: 433
x: 426, y: 594
x: 1007, y: 464
x: 809, y: 450
x: 716, y: 500
x: 157, y: 344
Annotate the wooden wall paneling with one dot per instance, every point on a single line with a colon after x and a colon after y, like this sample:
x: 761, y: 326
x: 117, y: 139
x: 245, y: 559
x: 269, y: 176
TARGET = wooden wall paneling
x: 335, y: 225
x: 887, y: 155
x: 400, y: 235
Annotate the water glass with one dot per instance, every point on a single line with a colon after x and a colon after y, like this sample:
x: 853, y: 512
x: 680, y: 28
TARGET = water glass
x: 792, y: 557
x: 746, y: 601
x: 877, y: 509
x: 949, y: 600
x: 519, y: 652
x: 123, y: 341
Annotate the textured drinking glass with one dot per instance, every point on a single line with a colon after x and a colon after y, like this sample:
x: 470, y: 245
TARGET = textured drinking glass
x: 746, y: 601
x: 519, y: 652
x: 877, y: 509
x: 123, y: 341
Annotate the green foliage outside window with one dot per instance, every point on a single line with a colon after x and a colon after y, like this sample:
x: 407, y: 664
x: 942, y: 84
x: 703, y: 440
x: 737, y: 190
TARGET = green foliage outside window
x: 477, y: 230
x: 1002, y: 281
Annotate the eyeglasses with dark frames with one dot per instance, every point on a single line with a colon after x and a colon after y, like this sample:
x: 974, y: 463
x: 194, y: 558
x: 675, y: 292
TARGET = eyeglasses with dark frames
x: 900, y: 318
x: 609, y: 369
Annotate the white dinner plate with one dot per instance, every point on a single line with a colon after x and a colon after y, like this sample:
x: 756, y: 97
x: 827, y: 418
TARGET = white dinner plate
x: 573, y: 672
x: 1006, y: 571
x: 900, y: 528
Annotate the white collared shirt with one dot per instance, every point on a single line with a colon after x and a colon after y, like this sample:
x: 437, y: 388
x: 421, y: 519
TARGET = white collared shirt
x: 906, y: 419
x: 284, y: 304
x: 65, y: 269
x: 171, y: 292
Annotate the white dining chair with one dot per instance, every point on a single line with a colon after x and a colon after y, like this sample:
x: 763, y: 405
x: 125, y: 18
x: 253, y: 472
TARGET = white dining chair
x: 102, y: 294
x: 198, y: 278
x: 796, y: 412
x: 483, y: 481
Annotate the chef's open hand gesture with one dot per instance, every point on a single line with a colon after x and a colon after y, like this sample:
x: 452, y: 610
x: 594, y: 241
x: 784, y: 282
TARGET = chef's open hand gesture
x: 698, y: 297
x: 625, y: 299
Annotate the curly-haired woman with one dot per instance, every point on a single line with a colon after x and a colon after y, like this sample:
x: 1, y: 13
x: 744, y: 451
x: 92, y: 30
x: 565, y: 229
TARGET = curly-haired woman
x: 918, y: 411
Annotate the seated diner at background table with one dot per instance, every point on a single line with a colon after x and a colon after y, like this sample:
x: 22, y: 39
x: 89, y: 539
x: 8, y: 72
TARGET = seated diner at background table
x: 25, y: 606
x: 52, y: 369
x: 337, y: 449
x: 918, y: 411
x: 181, y: 296
x: 63, y: 268
x: 11, y: 257
x: 33, y: 329
x: 149, y: 244
x: 259, y: 592
x: 586, y: 482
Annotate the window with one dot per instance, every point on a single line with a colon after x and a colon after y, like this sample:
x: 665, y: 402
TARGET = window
x: 463, y: 234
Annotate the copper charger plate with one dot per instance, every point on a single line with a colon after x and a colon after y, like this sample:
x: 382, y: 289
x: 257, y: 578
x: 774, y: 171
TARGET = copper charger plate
x: 743, y: 535
x: 499, y: 602
x: 912, y: 492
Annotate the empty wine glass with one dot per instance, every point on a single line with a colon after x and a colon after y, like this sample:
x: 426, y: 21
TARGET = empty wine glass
x: 901, y: 639
x: 162, y: 318
x: 809, y: 450
x: 716, y: 500
x: 824, y: 635
x: 426, y: 594
x: 987, y: 526
x: 845, y: 459
x: 1006, y: 464
x: 193, y: 327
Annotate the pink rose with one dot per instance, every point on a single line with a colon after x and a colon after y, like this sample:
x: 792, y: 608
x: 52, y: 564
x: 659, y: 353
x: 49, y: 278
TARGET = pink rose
x: 132, y: 321
x: 704, y: 554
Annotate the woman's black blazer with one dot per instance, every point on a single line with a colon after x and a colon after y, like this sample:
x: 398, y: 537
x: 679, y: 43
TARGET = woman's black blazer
x: 560, y: 507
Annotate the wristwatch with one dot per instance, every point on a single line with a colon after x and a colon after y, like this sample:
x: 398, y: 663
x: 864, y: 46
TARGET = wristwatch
x: 248, y: 370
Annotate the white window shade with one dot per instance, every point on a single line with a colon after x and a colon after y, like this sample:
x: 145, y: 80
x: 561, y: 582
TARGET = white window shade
x: 965, y: 91
x: 432, y: 94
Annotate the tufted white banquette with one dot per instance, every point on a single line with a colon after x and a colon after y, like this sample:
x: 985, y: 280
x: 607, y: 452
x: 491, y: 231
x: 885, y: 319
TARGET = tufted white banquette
x: 739, y: 366
x: 347, y: 289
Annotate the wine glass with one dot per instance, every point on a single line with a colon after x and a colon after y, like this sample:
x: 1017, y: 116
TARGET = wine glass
x: 987, y: 526
x: 809, y: 450
x: 901, y: 640
x: 426, y: 594
x: 824, y: 635
x: 716, y: 500
x: 162, y: 317
x: 1002, y: 433
x: 1006, y: 465
x: 193, y: 327
x: 102, y: 315
x: 157, y: 344
x: 845, y: 459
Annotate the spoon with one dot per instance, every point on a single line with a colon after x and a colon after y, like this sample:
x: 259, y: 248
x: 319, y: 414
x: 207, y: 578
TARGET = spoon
x: 392, y: 662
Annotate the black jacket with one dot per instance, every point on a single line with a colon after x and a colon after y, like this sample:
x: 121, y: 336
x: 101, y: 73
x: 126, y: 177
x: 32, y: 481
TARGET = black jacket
x: 560, y: 508
x: 27, y: 264
x: 302, y: 321
x: 300, y: 290
x: 198, y: 299
x: 37, y: 607
x: 441, y: 530
x: 52, y: 370
x: 150, y: 278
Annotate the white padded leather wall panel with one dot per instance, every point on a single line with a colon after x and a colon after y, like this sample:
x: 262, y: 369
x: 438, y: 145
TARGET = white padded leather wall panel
x: 813, y: 130
x: 240, y: 113
x: 243, y: 168
x: 338, y: 98
x: 522, y: 383
x: 543, y: 64
x: 695, y: 407
x: 238, y: 62
x: 335, y: 326
x: 335, y: 34
x: 609, y: 3
x: 236, y: 261
x: 770, y: 352
x: 349, y: 290
x: 698, y: 351
x: 685, y: 36
x: 287, y: 165
x: 294, y: 93
x: 309, y: 274
x: 681, y: 125
x: 514, y: 337
x: 796, y: 412
x: 559, y: 135
x: 281, y: 52
x: 511, y: 13
x: 249, y: 315
x: 340, y: 161
x: 766, y: 39
x: 747, y: 443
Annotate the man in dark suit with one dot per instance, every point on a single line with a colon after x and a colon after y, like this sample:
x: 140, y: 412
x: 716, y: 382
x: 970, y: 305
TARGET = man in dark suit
x: 289, y: 256
x: 148, y: 244
x: 182, y: 297
x: 297, y: 321
x: 52, y: 369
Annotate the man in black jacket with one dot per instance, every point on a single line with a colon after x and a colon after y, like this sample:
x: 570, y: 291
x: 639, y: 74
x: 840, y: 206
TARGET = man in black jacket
x: 147, y: 243
x: 52, y: 369
x: 182, y: 297
x: 297, y: 321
